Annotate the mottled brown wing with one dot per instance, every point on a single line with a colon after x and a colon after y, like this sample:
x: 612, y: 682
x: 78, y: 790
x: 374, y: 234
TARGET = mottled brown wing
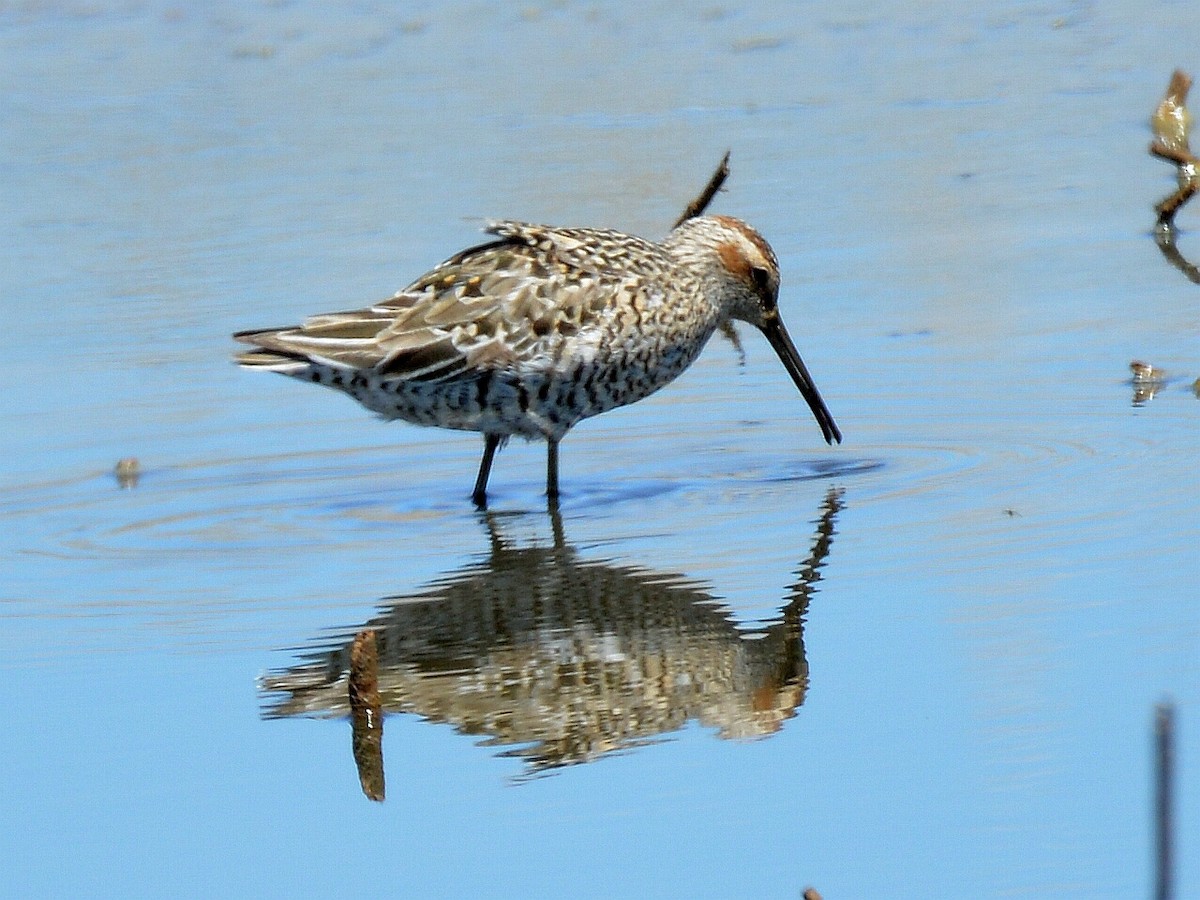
x: 510, y: 302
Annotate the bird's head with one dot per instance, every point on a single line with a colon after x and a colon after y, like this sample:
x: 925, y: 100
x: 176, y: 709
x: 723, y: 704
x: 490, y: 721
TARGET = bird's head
x: 741, y: 271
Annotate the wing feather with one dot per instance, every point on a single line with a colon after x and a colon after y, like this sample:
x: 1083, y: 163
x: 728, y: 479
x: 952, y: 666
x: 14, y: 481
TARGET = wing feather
x: 507, y: 302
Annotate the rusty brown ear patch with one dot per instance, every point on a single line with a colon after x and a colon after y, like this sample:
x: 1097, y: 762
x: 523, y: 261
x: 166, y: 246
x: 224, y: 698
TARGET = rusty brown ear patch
x: 751, y: 235
x: 734, y: 260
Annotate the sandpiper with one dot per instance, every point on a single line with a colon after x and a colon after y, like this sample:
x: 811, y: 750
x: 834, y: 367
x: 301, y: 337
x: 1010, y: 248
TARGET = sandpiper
x: 542, y: 327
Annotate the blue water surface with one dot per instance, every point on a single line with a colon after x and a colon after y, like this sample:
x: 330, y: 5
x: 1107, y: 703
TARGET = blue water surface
x: 965, y: 614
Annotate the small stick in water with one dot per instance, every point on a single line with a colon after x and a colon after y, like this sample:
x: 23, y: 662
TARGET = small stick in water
x: 1164, y: 789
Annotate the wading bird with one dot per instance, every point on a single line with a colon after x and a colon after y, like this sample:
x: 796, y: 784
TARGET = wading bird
x: 542, y: 327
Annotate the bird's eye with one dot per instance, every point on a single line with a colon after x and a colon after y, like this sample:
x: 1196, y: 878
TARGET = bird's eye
x: 762, y: 282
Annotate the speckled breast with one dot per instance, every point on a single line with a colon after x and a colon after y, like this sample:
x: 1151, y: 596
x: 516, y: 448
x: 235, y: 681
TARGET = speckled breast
x: 531, y: 403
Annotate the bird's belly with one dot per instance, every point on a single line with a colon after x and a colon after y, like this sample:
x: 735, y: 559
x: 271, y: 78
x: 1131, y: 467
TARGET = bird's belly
x: 558, y: 399
x: 530, y: 403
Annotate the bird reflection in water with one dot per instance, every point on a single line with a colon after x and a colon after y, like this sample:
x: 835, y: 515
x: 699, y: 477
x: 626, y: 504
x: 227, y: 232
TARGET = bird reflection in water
x: 560, y: 659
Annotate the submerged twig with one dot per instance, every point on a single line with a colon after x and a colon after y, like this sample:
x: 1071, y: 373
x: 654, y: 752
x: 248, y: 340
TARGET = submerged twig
x: 697, y: 206
x: 1171, y: 124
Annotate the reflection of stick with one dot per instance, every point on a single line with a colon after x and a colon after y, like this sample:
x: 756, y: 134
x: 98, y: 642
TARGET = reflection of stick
x: 1164, y: 735
x: 1171, y: 123
x: 697, y: 206
x: 366, y: 714
x: 1164, y: 236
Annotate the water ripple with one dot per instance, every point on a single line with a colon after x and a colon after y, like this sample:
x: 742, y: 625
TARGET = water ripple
x: 294, y: 502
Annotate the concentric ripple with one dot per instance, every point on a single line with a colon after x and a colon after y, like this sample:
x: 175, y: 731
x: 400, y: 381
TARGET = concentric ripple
x: 291, y: 503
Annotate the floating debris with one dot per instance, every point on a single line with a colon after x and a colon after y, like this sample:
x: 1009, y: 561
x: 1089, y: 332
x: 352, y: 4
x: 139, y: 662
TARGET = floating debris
x: 253, y: 52
x: 1171, y: 120
x: 1147, y: 381
x: 1144, y: 373
x: 1171, y: 124
x: 757, y: 42
x: 127, y: 471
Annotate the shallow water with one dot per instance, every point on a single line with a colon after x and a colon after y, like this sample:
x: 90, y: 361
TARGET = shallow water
x: 922, y: 663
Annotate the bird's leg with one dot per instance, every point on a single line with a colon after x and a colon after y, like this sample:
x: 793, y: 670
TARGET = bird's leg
x: 556, y: 525
x: 552, y: 471
x: 479, y: 495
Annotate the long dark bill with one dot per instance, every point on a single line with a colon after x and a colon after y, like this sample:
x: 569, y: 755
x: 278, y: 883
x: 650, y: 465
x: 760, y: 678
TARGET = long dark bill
x: 790, y: 357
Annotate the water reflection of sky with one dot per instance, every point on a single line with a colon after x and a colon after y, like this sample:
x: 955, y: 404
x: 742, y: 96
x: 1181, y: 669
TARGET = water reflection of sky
x: 961, y: 202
